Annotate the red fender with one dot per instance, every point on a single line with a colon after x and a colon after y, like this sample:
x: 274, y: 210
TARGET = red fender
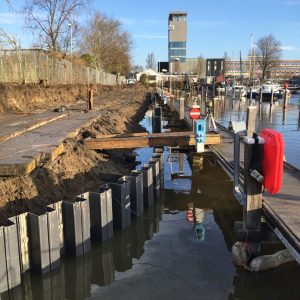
x: 272, y: 164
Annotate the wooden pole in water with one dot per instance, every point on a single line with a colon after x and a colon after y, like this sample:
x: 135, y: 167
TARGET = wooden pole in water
x: 260, y: 96
x: 285, y: 99
x: 272, y: 97
x: 181, y: 109
x: 240, y: 93
x: 253, y: 189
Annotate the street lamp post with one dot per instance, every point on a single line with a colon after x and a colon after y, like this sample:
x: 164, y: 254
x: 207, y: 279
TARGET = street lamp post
x: 71, y: 50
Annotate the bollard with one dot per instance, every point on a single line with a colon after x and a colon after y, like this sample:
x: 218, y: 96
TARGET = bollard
x: 76, y: 216
x: 9, y: 257
x: 120, y: 202
x: 147, y: 185
x: 154, y: 163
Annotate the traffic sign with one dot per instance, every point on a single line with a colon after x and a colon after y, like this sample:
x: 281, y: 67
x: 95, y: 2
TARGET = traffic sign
x: 195, y: 113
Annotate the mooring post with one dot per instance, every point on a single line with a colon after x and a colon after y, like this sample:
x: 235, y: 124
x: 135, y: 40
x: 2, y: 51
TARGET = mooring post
x: 272, y: 97
x: 147, y: 185
x: 240, y: 93
x: 260, y: 97
x: 181, y: 108
x: 172, y: 103
x: 285, y: 99
x: 252, y: 187
x: 90, y: 100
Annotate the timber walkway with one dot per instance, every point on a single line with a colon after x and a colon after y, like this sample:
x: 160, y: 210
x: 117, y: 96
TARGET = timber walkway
x: 26, y: 141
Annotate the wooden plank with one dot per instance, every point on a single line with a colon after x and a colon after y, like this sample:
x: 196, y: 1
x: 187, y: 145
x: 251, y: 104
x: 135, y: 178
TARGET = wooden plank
x: 172, y: 139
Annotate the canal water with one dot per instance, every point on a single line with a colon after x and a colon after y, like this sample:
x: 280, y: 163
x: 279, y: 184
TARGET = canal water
x: 162, y: 255
x: 287, y: 123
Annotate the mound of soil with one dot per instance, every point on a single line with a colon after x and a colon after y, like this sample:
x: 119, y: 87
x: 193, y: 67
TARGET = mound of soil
x: 79, y: 169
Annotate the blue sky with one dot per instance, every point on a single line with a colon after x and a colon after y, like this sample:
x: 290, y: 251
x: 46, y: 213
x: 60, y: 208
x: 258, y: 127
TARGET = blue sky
x: 213, y: 26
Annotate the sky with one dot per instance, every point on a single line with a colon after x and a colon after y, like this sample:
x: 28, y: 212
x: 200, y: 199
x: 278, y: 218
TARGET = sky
x: 213, y: 26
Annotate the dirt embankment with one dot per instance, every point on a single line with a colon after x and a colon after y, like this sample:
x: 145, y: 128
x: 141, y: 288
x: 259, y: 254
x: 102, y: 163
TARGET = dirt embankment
x: 79, y: 169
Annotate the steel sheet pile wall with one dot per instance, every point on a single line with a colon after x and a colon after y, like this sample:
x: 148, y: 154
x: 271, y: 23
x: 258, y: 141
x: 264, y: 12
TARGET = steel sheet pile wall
x: 36, y: 242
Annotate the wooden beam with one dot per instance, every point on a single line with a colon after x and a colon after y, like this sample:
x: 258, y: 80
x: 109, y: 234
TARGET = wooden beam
x: 171, y: 139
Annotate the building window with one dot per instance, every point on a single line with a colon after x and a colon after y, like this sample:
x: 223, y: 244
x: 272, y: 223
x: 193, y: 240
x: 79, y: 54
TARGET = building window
x: 177, y: 52
x: 177, y: 45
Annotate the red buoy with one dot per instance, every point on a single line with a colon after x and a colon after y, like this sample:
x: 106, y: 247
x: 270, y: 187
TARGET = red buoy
x: 273, y: 160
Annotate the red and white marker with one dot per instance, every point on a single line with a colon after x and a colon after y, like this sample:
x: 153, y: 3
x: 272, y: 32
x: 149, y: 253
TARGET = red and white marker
x: 195, y: 113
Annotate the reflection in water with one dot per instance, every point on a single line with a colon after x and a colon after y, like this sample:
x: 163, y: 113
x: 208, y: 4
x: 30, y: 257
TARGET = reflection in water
x: 173, y: 253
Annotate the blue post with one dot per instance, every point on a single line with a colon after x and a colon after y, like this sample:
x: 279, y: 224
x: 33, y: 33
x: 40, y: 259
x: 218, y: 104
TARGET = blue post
x: 200, y: 135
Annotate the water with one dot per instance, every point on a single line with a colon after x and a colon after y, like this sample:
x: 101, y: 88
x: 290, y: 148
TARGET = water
x: 160, y: 256
x: 288, y: 124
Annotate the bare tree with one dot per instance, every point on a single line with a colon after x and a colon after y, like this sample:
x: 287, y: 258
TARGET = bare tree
x: 226, y: 63
x: 107, y: 43
x: 268, y: 52
x: 52, y: 20
x: 200, y: 66
x: 150, y: 61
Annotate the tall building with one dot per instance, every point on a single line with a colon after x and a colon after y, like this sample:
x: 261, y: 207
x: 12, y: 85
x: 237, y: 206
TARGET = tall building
x: 177, y: 36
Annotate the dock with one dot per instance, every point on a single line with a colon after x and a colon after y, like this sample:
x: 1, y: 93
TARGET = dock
x: 282, y: 210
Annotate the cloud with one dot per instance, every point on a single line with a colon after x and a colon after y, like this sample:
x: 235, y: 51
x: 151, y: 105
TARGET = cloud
x: 150, y: 36
x: 292, y: 2
x: 208, y: 23
x: 10, y: 18
x: 288, y: 48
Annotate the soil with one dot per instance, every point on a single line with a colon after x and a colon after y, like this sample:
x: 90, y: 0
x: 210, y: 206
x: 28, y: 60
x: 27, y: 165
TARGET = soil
x: 79, y: 169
